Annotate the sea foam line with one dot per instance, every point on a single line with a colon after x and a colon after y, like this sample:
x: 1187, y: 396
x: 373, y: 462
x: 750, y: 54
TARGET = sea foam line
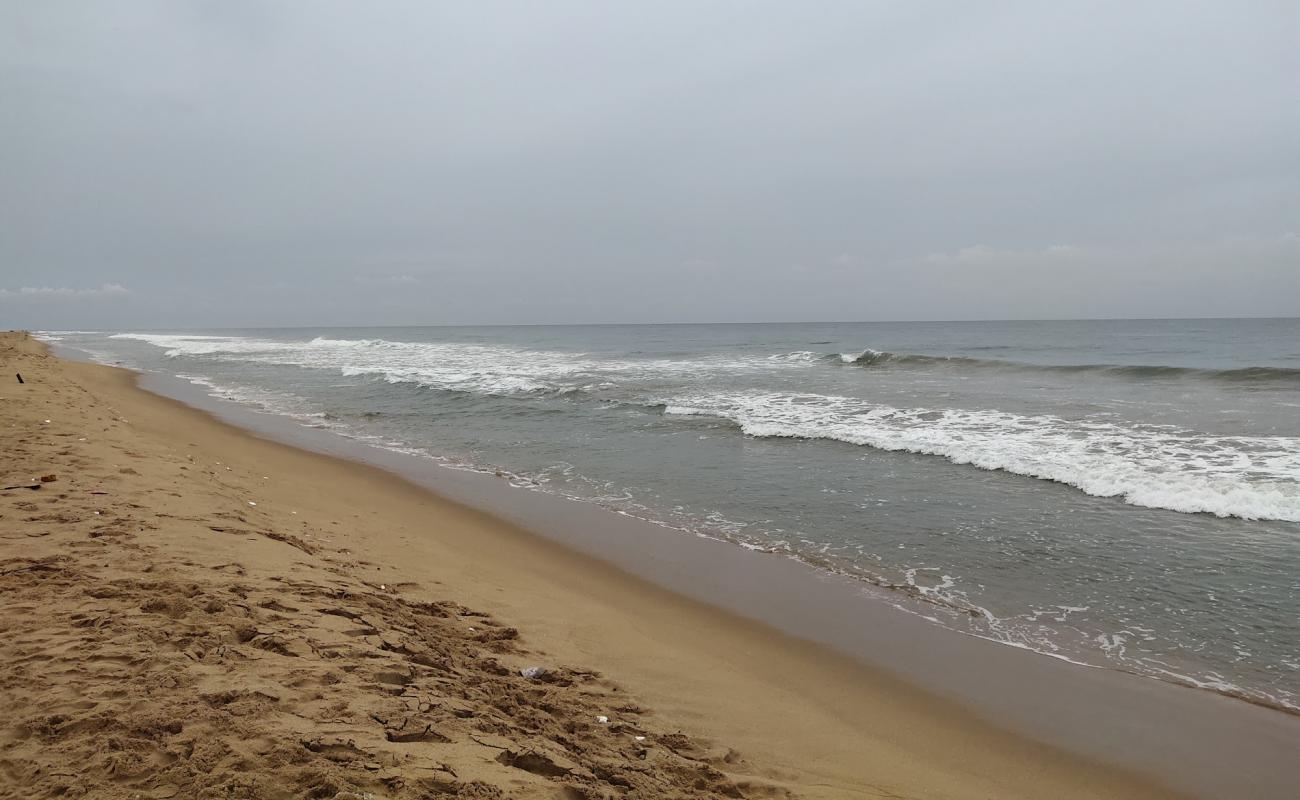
x: 1151, y: 466
x: 455, y: 366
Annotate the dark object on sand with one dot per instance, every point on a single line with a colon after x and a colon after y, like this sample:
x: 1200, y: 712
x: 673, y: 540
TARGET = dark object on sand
x: 20, y: 377
x: 23, y: 486
x: 51, y: 478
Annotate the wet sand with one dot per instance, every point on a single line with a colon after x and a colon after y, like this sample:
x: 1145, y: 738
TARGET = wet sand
x: 353, y: 631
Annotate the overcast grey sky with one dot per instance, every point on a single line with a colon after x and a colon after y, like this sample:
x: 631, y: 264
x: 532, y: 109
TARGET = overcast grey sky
x: 233, y: 163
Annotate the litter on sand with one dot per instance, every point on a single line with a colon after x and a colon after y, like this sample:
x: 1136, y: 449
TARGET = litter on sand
x: 533, y: 672
x: 602, y: 719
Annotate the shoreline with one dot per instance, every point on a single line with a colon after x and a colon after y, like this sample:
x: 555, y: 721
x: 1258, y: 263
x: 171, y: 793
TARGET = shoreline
x: 585, y: 527
x: 906, y: 597
x: 922, y: 736
x: 1000, y: 551
x: 1105, y: 714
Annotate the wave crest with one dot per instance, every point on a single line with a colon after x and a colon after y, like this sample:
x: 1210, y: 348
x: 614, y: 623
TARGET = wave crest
x: 1151, y: 466
x: 877, y: 358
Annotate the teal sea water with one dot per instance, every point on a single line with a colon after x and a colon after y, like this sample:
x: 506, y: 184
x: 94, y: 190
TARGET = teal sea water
x: 1119, y: 493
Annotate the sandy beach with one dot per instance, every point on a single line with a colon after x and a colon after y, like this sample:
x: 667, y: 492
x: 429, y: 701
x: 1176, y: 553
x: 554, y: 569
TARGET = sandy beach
x: 193, y: 611
x: 591, y: 400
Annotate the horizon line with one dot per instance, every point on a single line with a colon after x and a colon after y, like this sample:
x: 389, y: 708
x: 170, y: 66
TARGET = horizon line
x: 662, y: 324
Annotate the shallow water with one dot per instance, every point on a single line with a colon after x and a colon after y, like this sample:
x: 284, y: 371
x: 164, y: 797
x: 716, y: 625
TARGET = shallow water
x: 1118, y: 493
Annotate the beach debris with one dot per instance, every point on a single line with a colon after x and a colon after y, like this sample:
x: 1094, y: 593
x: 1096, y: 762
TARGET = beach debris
x: 639, y: 738
x: 602, y: 719
x: 251, y: 503
x: 23, y: 486
x: 20, y: 377
x: 533, y: 673
x: 403, y: 736
x: 550, y: 766
x: 51, y: 478
x: 47, y: 422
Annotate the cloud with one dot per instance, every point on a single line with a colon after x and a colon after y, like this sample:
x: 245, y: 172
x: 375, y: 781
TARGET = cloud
x: 1227, y: 276
x: 1224, y: 253
x: 617, y: 148
x: 984, y: 254
x: 385, y: 280
x: 38, y: 294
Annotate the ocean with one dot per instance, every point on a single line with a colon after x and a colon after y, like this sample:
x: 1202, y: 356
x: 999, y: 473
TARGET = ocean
x: 1124, y: 494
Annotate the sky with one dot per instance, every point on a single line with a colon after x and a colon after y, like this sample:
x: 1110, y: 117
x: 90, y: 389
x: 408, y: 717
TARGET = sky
x: 203, y: 164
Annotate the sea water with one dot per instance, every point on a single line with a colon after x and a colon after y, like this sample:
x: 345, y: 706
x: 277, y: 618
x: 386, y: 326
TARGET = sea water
x: 1118, y: 493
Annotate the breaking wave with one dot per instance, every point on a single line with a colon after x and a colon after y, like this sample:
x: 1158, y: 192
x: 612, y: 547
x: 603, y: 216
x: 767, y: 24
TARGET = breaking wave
x: 1151, y: 466
x: 454, y: 366
x: 878, y: 358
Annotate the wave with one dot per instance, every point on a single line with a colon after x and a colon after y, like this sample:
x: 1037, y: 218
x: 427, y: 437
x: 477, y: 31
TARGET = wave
x: 480, y: 369
x: 498, y: 370
x: 877, y: 358
x: 505, y: 370
x: 1145, y: 465
x: 1151, y: 466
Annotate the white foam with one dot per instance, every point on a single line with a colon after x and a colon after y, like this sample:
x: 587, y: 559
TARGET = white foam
x: 799, y: 356
x: 478, y: 368
x: 1152, y: 466
x: 850, y: 358
x: 59, y: 335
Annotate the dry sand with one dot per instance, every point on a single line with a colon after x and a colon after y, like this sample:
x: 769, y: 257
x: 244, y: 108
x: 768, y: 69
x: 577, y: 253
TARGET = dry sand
x: 191, y: 611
